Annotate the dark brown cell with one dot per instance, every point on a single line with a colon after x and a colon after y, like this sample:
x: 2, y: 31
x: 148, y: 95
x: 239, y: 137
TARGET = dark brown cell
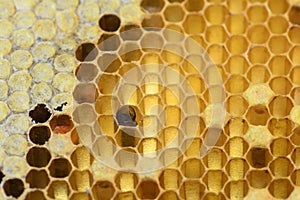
x: 294, y: 15
x: 39, y: 134
x: 258, y: 157
x: 148, y: 189
x: 13, y: 187
x: 152, y: 5
x: 109, y: 42
x: 86, y: 52
x: 38, y: 157
x: 86, y: 72
x: 40, y: 113
x: 35, y: 195
x: 61, y: 124
x: 109, y: 22
x: 60, y: 168
x: 103, y: 190
x: 258, y: 115
x: 37, y: 179
x: 131, y: 32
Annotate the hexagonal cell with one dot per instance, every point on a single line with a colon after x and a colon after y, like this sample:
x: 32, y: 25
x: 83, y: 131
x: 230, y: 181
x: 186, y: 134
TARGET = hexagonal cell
x: 193, y: 126
x: 81, y: 158
x: 295, y: 75
x: 218, y: 54
x: 170, y: 179
x: 237, y: 44
x: 103, y: 190
x: 194, y: 43
x: 281, y: 85
x: 281, y: 147
x: 236, y: 127
x: 280, y: 65
x: 172, y: 95
x: 215, y: 34
x: 281, y: 188
x: 293, y: 55
x: 152, y: 42
x: 173, y: 33
x: 61, y: 124
x: 193, y: 105
x: 236, y: 24
x: 146, y: 105
x: 259, y: 157
x: 86, y: 72
x: 86, y: 52
x: 236, y: 84
x: 106, y: 105
x: 149, y: 147
x: 215, y: 159
x: 173, y: 13
x: 192, y: 168
x: 172, y: 53
x: 172, y: 116
x: 278, y: 24
x: 104, y: 146
x: 295, y: 94
x: 257, y: 14
x: 280, y: 106
x: 107, y: 125
x: 194, y: 24
x: 127, y: 158
x: 236, y: 6
x: 258, y: 74
x: 279, y: 44
x: 84, y: 113
x: 259, y: 178
x: 233, y: 165
x: 236, y: 147
x: 109, y: 42
x: 60, y: 168
x: 130, y: 94
x: 191, y: 64
x: 128, y: 137
x: 147, y: 189
x: 38, y: 157
x: 215, y: 180
x: 295, y: 177
x: 237, y: 65
x: 295, y: 137
x: 153, y: 21
x: 125, y: 195
x: 40, y: 113
x: 216, y: 14
x: 236, y: 189
x: 210, y: 141
x: 130, y: 32
x: 109, y: 22
x: 128, y: 115
x: 35, y: 195
x: 281, y: 167
x: 37, y: 178
x: 109, y: 62
x: 194, y: 5
x: 280, y: 127
x: 81, y: 180
x: 58, y: 189
x: 170, y: 137
x: 258, y: 34
x: 191, y: 189
x: 171, y: 157
x: 107, y: 83
x: 39, y: 134
x: 130, y: 51
x: 152, y: 6
x: 258, y: 115
x: 293, y: 33
x: 236, y: 105
x: 80, y: 196
x: 152, y: 84
x: 278, y: 7
x: 13, y: 187
x: 85, y: 93
x: 126, y: 181
x: 169, y: 195
x: 296, y: 157
x: 258, y: 54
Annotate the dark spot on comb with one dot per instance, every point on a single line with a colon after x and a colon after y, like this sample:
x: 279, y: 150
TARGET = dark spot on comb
x: 126, y: 116
x: 40, y: 113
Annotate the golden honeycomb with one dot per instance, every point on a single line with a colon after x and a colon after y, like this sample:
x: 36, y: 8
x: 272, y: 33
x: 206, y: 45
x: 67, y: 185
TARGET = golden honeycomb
x: 149, y: 99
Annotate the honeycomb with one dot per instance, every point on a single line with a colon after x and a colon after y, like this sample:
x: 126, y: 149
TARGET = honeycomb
x: 149, y: 99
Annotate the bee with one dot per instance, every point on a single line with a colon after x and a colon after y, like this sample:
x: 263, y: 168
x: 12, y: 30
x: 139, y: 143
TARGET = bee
x: 126, y: 116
